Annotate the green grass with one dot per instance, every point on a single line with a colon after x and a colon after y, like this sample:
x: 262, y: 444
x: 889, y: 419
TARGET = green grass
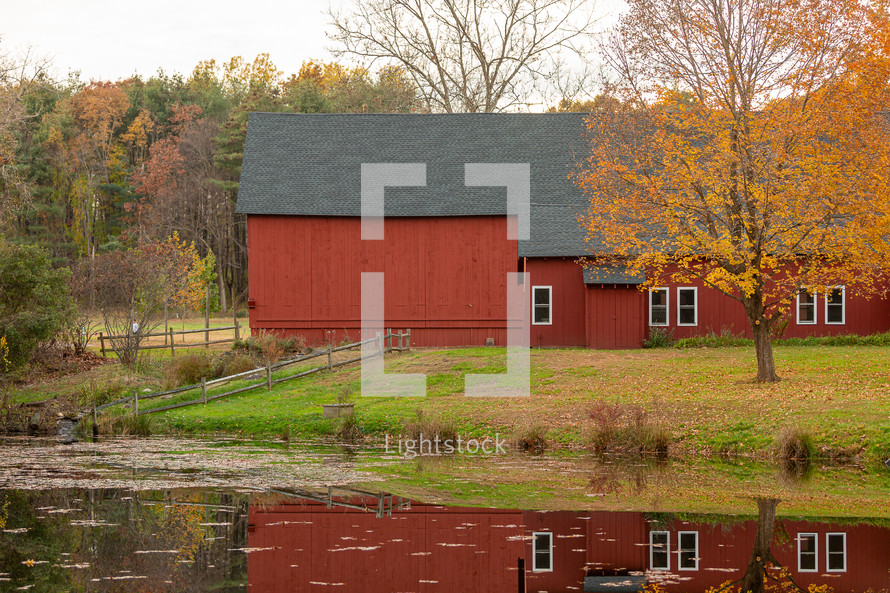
x: 703, y: 397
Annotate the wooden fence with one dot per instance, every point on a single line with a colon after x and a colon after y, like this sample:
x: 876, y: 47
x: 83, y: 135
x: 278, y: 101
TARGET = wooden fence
x: 386, y: 343
x: 171, y: 343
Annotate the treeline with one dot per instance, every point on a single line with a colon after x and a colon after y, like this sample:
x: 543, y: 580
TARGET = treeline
x: 100, y: 167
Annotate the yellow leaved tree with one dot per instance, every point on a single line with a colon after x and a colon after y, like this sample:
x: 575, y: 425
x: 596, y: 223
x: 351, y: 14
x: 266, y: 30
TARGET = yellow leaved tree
x: 748, y: 149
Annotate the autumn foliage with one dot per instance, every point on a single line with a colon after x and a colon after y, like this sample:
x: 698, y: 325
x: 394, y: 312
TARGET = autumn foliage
x: 749, y: 149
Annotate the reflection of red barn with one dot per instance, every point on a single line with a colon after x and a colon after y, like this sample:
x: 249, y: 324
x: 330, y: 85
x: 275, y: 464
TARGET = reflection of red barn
x: 445, y: 253
x: 309, y: 547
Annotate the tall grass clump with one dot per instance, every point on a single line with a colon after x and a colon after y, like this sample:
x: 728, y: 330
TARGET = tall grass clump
x: 626, y: 429
x: 659, y: 337
x: 429, y: 427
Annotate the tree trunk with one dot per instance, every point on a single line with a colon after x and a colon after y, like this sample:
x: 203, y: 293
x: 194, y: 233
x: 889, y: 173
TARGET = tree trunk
x: 766, y: 364
x: 753, y: 581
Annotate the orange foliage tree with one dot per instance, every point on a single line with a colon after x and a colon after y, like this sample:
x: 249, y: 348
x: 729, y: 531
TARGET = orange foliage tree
x: 748, y: 150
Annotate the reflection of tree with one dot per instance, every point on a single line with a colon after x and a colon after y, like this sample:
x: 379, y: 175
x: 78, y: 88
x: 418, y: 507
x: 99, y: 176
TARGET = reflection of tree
x: 764, y: 572
x: 112, y: 541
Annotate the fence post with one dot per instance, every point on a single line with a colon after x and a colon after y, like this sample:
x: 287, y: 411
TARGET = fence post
x: 408, y: 340
x: 237, y: 333
x: 135, y: 402
x: 268, y: 375
x: 330, y: 358
x: 204, y: 389
x: 172, y: 343
x: 401, y: 341
x: 389, y: 337
x: 207, y: 313
x: 102, y: 343
x: 380, y: 344
x: 95, y: 423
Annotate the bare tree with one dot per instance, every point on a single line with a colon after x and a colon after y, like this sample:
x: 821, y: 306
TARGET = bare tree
x: 20, y: 75
x: 469, y: 55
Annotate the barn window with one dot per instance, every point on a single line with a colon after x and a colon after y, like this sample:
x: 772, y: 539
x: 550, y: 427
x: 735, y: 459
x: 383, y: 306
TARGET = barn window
x: 542, y: 305
x: 836, y: 552
x: 659, y: 550
x: 658, y: 306
x: 543, y: 551
x: 806, y: 307
x: 807, y: 550
x: 834, y: 305
x: 687, y: 545
x: 687, y: 306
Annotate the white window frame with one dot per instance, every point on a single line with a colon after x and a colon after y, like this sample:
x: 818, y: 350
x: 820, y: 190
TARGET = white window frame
x: 843, y: 320
x: 549, y: 305
x: 680, y: 550
x: 535, y: 551
x: 827, y: 553
x: 694, y: 290
x: 667, y: 306
x: 815, y: 296
x: 667, y: 550
x: 815, y: 537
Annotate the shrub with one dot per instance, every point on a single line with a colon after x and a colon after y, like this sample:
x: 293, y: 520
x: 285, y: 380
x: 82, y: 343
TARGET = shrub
x: 712, y: 340
x: 532, y: 438
x: 627, y: 428
x: 429, y: 428
x: 237, y: 364
x: 124, y: 424
x: 93, y: 394
x: 659, y: 337
x: 35, y: 303
x: 347, y: 429
x: 270, y: 347
x: 188, y: 369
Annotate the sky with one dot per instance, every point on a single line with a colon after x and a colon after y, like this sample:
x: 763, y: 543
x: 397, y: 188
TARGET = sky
x: 113, y: 39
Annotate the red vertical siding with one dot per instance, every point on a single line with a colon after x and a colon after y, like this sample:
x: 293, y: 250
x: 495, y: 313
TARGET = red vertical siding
x: 616, y: 316
x: 445, y: 278
x: 565, y: 277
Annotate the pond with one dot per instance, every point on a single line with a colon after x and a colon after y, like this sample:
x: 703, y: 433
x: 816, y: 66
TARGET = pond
x: 227, y: 515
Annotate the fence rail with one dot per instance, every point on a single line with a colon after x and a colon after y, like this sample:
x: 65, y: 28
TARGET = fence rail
x: 169, y: 341
x: 265, y: 373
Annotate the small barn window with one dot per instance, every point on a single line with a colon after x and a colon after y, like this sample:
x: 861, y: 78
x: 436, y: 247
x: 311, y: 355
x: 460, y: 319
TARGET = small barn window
x: 687, y: 546
x: 687, y: 306
x: 658, y: 306
x: 836, y: 552
x: 542, y: 307
x: 543, y: 551
x: 807, y: 552
x: 834, y: 305
x: 806, y: 307
x: 659, y: 550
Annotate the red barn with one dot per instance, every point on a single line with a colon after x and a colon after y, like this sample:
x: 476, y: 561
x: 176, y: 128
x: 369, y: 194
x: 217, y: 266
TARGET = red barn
x: 430, y: 548
x: 446, y: 251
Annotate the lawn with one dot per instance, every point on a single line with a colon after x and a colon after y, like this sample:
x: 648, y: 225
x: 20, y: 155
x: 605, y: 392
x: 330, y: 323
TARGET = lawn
x: 837, y: 395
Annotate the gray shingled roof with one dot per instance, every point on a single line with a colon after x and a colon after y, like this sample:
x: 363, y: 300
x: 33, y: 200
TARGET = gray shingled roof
x: 310, y: 164
x: 611, y: 275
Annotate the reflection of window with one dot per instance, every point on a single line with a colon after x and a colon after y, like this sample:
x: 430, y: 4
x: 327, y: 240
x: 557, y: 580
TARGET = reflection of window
x: 658, y: 306
x: 543, y: 551
x: 806, y: 307
x: 687, y: 306
x: 659, y: 550
x: 687, y: 546
x: 836, y: 552
x: 807, y: 559
x: 541, y: 307
x: 834, y: 305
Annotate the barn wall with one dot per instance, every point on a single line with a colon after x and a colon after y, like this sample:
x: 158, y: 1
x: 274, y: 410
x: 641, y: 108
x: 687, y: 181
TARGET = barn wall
x: 445, y: 278
x: 564, y: 275
x: 719, y: 313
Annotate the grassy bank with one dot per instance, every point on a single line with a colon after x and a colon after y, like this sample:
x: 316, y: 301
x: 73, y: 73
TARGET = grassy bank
x: 702, y: 399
